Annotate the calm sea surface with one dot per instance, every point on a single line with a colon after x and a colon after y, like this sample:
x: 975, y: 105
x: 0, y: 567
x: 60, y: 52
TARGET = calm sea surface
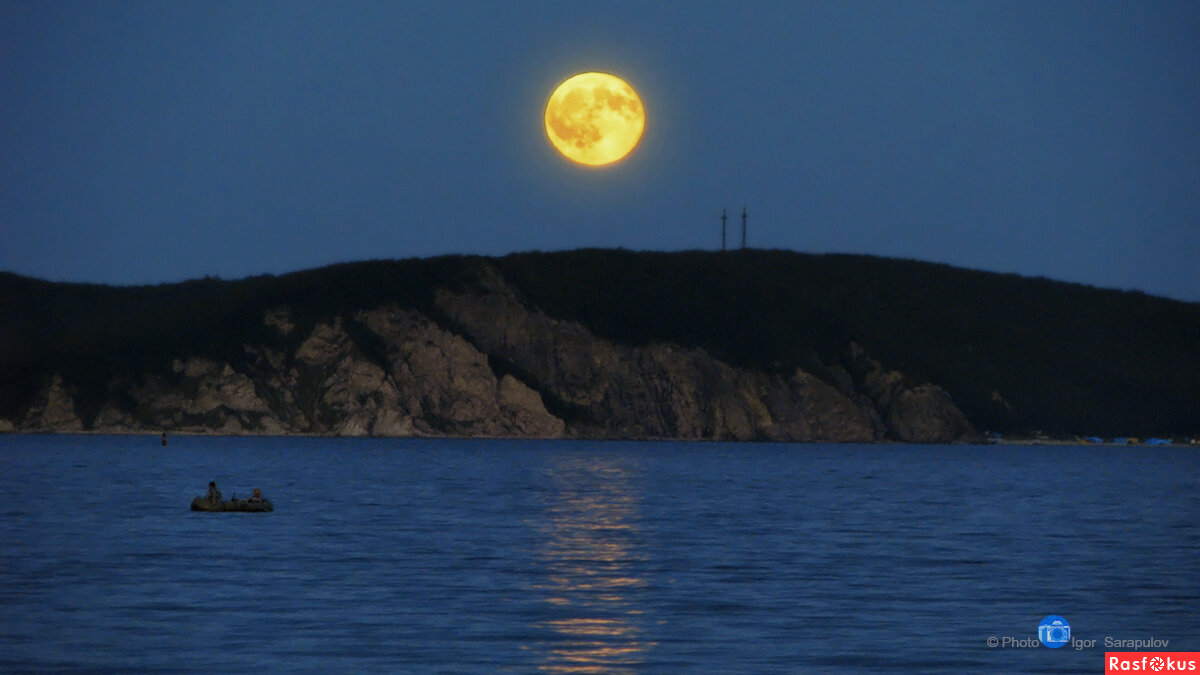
x: 525, y: 557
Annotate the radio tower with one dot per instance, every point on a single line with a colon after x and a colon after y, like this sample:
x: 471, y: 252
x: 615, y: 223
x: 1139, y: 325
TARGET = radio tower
x: 743, y: 227
x: 722, y: 229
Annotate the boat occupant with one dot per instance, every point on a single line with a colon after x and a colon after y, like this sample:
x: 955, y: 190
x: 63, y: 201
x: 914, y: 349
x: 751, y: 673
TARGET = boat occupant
x: 214, y: 495
x: 257, y: 497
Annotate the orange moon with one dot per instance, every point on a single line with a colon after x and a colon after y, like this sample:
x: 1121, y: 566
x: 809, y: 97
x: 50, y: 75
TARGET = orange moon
x: 595, y: 118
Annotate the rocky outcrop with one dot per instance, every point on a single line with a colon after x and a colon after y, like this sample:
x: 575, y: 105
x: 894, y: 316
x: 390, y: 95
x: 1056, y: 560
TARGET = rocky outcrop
x: 655, y: 391
x: 53, y: 409
x: 446, y: 385
x: 910, y: 411
x: 482, y: 361
x: 196, y: 395
x: 334, y: 389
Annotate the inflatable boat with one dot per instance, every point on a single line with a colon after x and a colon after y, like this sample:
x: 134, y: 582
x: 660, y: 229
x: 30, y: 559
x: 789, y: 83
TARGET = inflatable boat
x: 202, y: 504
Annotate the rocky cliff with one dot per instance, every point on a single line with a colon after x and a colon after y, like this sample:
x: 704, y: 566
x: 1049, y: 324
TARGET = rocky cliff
x: 478, y: 359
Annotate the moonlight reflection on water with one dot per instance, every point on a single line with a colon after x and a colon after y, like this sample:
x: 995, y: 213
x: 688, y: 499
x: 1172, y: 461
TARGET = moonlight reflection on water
x: 590, y: 541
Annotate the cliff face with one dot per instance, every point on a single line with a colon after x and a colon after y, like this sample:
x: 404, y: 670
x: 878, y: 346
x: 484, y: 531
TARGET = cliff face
x: 482, y: 361
x: 655, y: 391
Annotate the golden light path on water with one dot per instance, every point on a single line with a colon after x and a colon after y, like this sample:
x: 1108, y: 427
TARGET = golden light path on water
x: 588, y: 550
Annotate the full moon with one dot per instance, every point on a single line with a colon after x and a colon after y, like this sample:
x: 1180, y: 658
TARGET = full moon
x: 594, y: 118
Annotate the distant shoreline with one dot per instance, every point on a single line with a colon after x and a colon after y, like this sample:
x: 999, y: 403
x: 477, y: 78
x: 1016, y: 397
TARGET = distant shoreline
x: 752, y: 345
x: 1031, y: 442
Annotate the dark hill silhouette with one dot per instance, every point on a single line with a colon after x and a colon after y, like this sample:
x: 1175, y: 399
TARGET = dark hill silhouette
x: 1067, y: 358
x: 1016, y: 354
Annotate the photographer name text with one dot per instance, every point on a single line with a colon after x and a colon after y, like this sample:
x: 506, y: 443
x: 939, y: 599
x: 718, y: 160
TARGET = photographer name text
x: 1079, y: 644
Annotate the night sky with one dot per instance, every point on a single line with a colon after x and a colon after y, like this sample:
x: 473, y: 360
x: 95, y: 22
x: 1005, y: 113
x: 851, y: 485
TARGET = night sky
x: 143, y: 142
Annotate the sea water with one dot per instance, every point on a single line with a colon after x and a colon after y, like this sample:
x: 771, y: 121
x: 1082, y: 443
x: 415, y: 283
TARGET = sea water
x: 456, y: 556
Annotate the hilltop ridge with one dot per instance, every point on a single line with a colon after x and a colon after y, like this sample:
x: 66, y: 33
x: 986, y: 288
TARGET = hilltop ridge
x: 741, y: 345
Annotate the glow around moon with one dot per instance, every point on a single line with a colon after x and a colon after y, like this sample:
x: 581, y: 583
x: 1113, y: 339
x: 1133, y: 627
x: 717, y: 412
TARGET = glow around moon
x: 594, y: 118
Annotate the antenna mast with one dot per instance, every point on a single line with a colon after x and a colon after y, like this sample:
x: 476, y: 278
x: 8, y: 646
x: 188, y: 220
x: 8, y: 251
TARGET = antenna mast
x: 722, y: 229
x: 743, y: 227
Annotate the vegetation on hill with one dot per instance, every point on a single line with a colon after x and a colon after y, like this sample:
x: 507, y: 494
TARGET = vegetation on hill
x: 1017, y: 354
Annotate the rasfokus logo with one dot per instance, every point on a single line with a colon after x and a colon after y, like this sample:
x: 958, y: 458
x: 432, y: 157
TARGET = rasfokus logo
x: 1054, y: 631
x: 1153, y: 662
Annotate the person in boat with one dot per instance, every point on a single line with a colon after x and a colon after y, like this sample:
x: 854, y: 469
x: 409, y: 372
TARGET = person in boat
x: 213, y: 495
x: 256, y: 498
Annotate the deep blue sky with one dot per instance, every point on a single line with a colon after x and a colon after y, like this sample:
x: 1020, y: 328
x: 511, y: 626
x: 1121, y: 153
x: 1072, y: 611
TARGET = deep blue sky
x: 156, y: 141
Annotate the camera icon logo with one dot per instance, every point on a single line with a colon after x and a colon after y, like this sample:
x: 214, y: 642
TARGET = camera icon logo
x: 1054, y: 631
